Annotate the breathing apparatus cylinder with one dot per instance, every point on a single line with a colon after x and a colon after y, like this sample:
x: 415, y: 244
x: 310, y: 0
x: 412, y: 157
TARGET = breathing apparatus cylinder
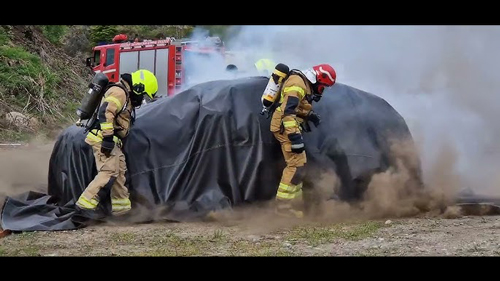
x: 93, y: 97
x: 271, y: 92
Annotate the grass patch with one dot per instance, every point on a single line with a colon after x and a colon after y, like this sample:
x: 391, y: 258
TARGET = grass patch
x: 174, y: 245
x: 218, y: 235
x: 317, y: 235
x: 23, y: 74
x: 174, y: 242
x: 30, y: 250
x: 25, y: 245
x: 124, y: 238
x: 217, y: 243
x: 70, y: 109
x: 7, y: 135
x: 4, y: 37
x: 361, y: 231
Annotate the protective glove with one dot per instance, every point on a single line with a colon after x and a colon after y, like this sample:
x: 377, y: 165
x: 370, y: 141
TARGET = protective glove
x: 297, y: 142
x: 107, y: 145
x: 314, y: 117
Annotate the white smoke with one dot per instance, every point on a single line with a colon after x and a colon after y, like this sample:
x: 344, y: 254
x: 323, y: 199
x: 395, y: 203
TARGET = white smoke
x: 441, y: 79
x: 200, y: 66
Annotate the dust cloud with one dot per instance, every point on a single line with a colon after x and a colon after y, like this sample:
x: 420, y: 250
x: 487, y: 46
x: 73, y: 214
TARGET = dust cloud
x: 24, y: 168
x: 395, y: 193
x: 441, y: 79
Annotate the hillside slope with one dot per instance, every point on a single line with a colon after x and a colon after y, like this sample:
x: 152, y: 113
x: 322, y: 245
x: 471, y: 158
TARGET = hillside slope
x: 40, y: 81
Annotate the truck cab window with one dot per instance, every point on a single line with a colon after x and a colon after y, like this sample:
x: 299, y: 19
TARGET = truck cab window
x: 110, y: 57
x: 97, y: 57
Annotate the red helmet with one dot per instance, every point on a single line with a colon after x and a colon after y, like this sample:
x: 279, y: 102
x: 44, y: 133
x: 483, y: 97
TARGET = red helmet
x: 321, y: 76
x: 325, y: 74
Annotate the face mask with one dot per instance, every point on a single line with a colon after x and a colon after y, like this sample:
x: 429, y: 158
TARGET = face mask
x: 316, y: 97
x: 136, y: 100
x: 313, y: 97
x: 318, y: 89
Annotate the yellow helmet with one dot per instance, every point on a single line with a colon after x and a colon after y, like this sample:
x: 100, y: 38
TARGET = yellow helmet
x: 144, y: 82
x: 265, y: 66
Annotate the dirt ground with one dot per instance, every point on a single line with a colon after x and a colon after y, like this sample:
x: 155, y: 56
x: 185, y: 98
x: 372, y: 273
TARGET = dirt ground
x: 244, y: 232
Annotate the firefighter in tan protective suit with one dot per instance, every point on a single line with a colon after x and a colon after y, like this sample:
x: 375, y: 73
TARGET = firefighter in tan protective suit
x: 115, y: 117
x: 297, y: 93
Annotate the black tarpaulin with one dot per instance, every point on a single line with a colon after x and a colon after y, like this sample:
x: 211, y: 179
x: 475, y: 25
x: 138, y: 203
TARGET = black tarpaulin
x: 37, y: 211
x: 208, y: 148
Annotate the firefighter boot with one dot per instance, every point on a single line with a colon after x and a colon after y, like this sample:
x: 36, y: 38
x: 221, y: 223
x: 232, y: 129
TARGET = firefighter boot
x: 85, y: 204
x: 120, y: 207
x: 285, y: 209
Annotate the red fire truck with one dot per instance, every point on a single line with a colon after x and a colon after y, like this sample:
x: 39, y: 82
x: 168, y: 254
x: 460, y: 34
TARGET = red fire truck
x: 168, y: 59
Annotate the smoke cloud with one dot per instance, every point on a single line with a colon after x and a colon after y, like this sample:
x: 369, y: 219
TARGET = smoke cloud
x: 441, y: 79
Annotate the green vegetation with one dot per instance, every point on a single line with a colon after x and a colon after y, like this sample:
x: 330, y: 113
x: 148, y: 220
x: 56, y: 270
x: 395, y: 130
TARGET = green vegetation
x: 13, y: 135
x: 315, y: 236
x: 102, y: 33
x: 54, y: 33
x: 43, y: 72
x: 156, y: 31
x: 23, y: 75
x: 4, y: 37
x: 28, y: 246
x: 32, y: 87
x: 105, y: 33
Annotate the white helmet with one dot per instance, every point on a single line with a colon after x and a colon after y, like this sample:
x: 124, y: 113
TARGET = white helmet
x: 310, y: 75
